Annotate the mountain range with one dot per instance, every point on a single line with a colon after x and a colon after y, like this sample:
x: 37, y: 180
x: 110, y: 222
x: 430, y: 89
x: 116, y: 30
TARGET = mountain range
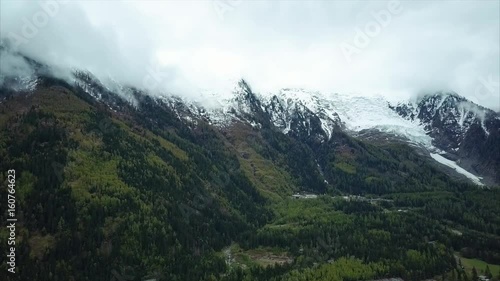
x: 112, y: 177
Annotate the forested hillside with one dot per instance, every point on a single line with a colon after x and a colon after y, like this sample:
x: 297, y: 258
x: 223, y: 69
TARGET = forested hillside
x: 108, y: 190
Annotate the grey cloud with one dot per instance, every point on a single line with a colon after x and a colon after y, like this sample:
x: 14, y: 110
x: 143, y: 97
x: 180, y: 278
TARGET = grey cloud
x: 192, y: 46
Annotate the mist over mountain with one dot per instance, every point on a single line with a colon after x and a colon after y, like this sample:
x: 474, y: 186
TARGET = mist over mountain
x: 442, y: 123
x: 269, y: 44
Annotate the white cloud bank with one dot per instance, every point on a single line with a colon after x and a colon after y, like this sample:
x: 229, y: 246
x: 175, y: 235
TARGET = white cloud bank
x: 395, y: 49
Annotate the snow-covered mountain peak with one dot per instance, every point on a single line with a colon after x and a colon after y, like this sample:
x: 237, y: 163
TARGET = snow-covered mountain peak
x: 448, y: 104
x: 446, y: 112
x: 301, y: 110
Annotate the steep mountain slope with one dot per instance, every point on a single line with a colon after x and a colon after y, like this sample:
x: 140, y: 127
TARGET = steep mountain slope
x: 468, y: 132
x: 313, y: 118
x: 103, y: 179
x: 304, y: 112
x: 444, y: 124
x: 318, y: 151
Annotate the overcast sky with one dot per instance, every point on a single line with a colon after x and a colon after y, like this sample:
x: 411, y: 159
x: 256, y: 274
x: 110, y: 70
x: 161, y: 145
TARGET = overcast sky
x: 394, y: 49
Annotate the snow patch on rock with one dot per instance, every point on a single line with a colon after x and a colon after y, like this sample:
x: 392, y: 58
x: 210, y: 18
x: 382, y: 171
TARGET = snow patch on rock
x: 452, y: 164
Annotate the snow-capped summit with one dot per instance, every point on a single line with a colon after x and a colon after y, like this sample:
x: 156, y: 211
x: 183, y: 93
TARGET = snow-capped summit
x: 446, y: 114
x: 465, y: 130
x: 448, y: 117
x: 298, y: 110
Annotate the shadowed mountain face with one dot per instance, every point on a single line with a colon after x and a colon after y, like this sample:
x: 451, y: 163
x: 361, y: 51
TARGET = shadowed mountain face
x: 468, y: 132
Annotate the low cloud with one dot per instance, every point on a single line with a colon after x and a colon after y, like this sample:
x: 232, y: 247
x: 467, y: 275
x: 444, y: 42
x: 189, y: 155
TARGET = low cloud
x: 190, y: 47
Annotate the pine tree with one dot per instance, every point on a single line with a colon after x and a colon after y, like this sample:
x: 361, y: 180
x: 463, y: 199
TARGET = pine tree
x: 488, y: 272
x: 465, y: 276
x: 474, y: 274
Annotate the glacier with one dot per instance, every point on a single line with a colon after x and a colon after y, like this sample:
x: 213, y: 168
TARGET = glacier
x: 356, y: 113
x: 452, y: 164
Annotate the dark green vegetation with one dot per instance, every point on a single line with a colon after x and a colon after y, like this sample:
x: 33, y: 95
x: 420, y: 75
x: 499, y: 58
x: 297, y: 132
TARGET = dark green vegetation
x: 480, y: 266
x: 105, y: 194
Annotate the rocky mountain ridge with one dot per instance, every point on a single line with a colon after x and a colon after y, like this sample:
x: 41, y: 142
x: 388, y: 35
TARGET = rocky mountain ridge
x: 444, y: 123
